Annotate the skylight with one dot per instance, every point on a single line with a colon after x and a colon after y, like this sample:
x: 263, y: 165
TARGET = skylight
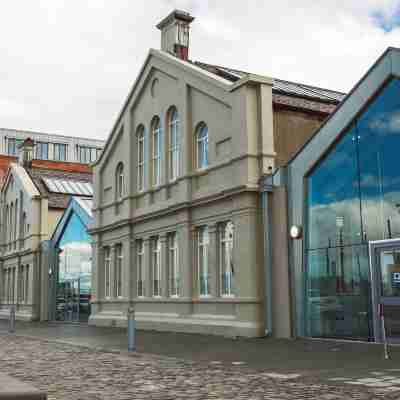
x: 68, y: 186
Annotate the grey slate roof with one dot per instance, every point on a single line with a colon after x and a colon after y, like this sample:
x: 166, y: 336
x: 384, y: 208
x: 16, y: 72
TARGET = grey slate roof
x: 56, y: 200
x: 279, y: 86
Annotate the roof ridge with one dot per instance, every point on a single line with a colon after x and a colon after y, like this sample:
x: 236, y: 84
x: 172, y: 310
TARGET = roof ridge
x: 304, y: 85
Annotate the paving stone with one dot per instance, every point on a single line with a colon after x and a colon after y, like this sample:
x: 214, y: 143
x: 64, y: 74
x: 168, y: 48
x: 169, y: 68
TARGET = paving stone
x: 71, y: 372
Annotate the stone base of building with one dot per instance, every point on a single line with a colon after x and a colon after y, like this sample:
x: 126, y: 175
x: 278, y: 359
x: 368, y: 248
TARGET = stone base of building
x: 203, y: 324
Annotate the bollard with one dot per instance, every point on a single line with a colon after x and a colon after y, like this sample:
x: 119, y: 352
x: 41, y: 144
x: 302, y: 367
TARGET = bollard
x: 11, y: 328
x: 131, y: 328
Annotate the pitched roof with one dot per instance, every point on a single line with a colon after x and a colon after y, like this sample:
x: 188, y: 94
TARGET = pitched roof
x: 279, y: 86
x: 56, y: 200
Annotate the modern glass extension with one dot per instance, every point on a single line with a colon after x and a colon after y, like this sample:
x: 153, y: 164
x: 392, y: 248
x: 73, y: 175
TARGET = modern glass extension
x: 353, y: 198
x: 71, y: 281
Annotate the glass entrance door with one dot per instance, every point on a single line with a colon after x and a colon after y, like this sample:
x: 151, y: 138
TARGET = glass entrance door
x: 385, y: 269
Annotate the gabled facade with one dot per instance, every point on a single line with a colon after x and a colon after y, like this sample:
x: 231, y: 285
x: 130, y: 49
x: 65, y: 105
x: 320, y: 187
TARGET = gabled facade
x: 33, y: 199
x: 178, y: 226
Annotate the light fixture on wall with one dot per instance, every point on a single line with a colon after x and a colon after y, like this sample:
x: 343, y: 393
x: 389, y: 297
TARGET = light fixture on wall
x: 296, y: 232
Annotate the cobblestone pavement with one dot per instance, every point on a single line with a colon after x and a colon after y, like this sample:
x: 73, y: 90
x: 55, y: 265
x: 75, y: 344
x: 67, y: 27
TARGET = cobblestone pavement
x: 70, y: 372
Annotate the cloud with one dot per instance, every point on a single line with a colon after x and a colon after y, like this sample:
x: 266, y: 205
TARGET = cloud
x: 386, y: 123
x: 387, y: 18
x: 67, y: 66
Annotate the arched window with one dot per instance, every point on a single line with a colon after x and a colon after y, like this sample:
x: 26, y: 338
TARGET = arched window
x: 156, y: 151
x: 141, y: 157
x: 202, y: 146
x: 120, y: 181
x: 174, y: 144
x: 226, y: 258
x: 10, y: 224
x: 6, y: 224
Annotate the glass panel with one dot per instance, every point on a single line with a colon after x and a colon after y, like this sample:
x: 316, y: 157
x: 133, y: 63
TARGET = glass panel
x: 338, y: 294
x: 379, y: 143
x: 333, y: 198
x: 390, y: 272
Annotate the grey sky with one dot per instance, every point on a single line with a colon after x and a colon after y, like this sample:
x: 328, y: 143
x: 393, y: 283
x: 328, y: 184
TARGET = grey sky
x: 67, y: 66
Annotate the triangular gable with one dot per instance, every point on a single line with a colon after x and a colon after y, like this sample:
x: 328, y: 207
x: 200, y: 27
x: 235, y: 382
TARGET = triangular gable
x: 185, y: 66
x: 386, y: 67
x: 19, y: 172
x: 75, y: 206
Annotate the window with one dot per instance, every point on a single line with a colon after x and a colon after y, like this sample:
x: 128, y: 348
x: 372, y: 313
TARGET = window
x: 120, y: 181
x: 226, y: 258
x: 21, y: 284
x: 6, y: 223
x: 42, y: 150
x: 86, y: 154
x: 173, y: 145
x: 107, y: 271
x: 141, y: 158
x: 60, y: 152
x: 174, y: 275
x: 15, y: 223
x: 118, y: 270
x: 24, y: 230
x: 140, y: 267
x: 156, y: 266
x: 12, y: 146
x: 202, y: 261
x: 26, y: 283
x: 11, y: 224
x: 202, y: 146
x: 156, y: 151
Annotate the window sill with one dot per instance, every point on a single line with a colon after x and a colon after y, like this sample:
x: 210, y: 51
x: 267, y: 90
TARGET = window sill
x: 201, y: 171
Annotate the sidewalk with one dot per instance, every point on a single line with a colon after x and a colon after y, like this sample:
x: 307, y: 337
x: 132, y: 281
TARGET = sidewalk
x: 325, y: 359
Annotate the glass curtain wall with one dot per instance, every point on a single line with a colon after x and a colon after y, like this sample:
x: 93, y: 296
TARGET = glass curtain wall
x: 353, y: 197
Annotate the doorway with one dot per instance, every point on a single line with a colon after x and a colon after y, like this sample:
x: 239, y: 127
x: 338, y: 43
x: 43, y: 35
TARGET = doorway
x: 385, y: 284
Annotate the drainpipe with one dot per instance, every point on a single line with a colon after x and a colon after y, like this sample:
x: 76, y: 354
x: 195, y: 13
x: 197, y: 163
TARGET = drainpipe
x: 266, y: 194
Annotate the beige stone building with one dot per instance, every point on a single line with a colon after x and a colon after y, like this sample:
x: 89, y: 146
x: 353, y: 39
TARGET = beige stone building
x: 33, y: 198
x: 178, y: 225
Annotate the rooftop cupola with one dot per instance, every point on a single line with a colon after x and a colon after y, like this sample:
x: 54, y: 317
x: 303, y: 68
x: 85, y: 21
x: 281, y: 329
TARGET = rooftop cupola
x: 25, y: 153
x: 175, y: 33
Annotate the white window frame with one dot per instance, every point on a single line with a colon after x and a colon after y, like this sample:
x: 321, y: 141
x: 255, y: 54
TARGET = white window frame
x: 174, y: 270
x: 120, y: 182
x: 156, y: 265
x: 21, y: 286
x: 57, y: 151
x: 174, y: 145
x: 119, y: 260
x: 140, y: 263
x: 226, y: 262
x: 156, y: 152
x: 202, y: 150
x: 141, y: 149
x: 39, y: 150
x: 203, y: 271
x: 107, y: 272
x: 27, y: 268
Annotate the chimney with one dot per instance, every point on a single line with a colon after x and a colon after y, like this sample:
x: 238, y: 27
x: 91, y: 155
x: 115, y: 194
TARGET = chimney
x: 175, y: 33
x: 25, y: 154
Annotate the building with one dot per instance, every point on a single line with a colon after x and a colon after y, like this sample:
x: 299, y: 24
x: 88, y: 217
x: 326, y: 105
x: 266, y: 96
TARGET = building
x: 34, y: 197
x: 51, y: 147
x: 178, y: 227
x: 343, y: 208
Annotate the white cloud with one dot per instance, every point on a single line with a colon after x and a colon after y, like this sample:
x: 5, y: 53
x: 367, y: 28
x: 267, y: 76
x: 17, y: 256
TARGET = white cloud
x: 67, y: 66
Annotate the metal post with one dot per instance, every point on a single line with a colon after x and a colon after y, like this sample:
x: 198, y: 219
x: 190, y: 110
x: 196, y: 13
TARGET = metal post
x: 11, y: 328
x: 384, y: 336
x: 131, y: 328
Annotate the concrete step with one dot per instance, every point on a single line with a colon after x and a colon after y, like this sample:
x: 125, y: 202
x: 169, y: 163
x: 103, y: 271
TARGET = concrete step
x: 13, y: 389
